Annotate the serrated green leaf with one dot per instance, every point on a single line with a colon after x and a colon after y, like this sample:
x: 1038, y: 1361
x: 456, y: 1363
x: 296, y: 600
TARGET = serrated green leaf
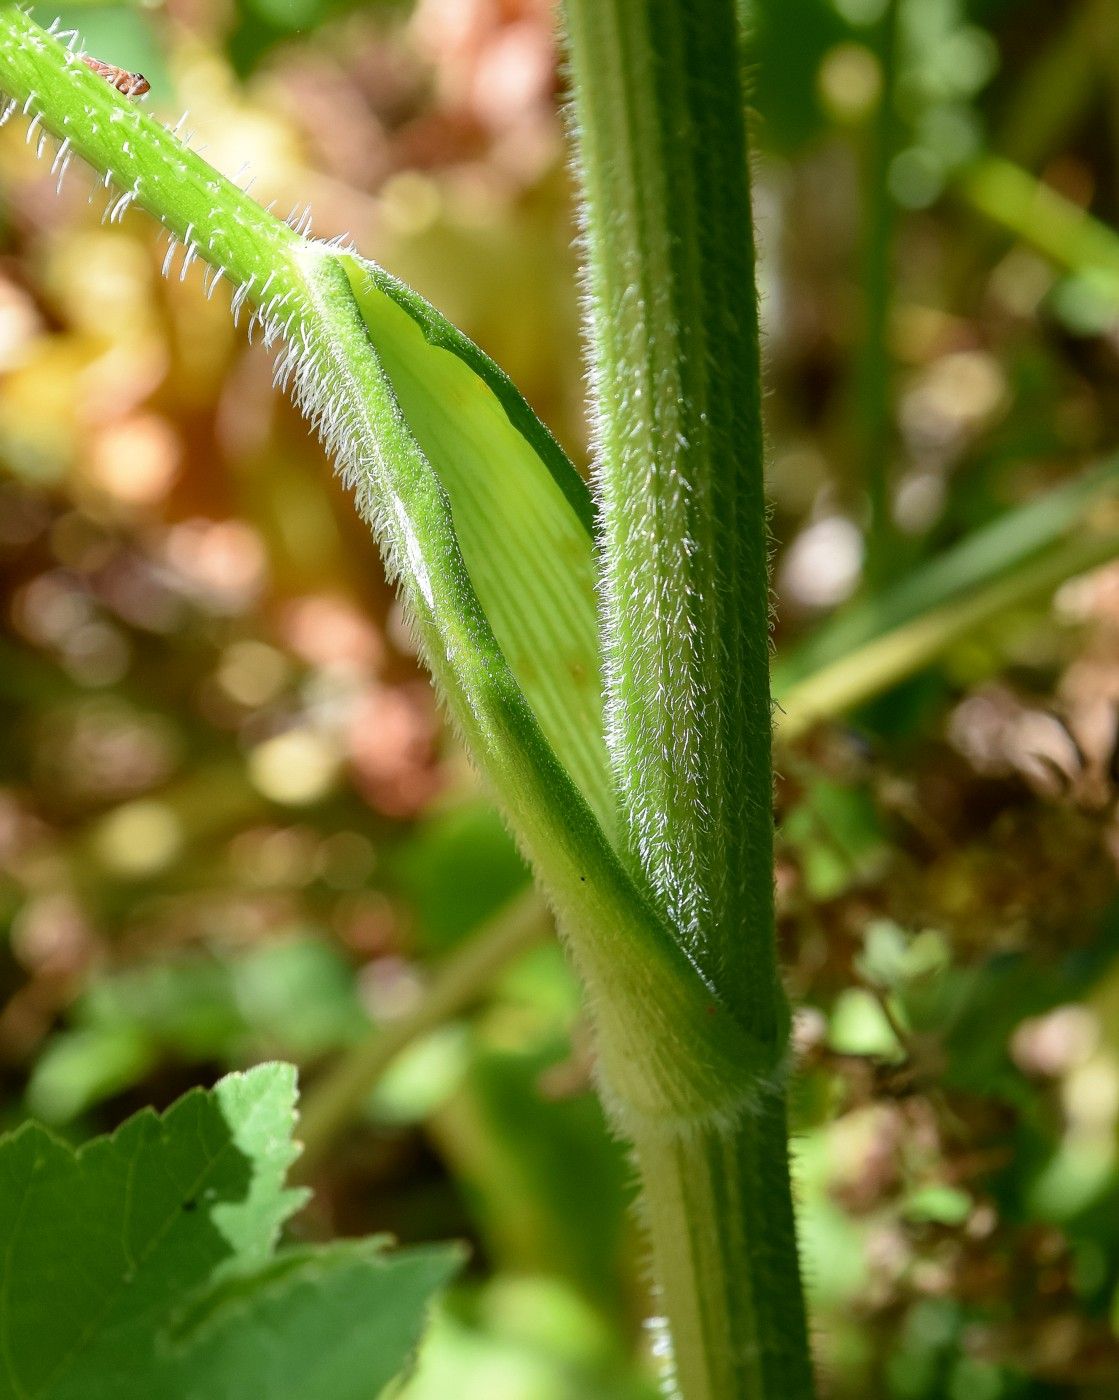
x: 332, y: 1323
x: 143, y: 1264
x: 99, y: 1245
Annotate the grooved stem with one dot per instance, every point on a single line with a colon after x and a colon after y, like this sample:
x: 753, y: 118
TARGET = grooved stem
x: 659, y: 120
x: 706, y: 1197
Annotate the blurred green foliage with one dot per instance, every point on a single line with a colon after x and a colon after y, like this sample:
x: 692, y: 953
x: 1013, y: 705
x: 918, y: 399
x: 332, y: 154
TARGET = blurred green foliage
x: 232, y: 826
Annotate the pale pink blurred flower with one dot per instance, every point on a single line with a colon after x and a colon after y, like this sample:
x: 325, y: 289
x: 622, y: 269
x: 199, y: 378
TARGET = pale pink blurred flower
x: 136, y: 459
x: 221, y: 564
x: 329, y: 631
x: 391, y: 736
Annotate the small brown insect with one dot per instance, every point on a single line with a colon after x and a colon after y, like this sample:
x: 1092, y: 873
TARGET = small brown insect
x: 130, y: 84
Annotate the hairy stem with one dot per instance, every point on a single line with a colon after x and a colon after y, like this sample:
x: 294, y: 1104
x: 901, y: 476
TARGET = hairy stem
x: 659, y: 121
x: 481, y: 518
x: 669, y: 911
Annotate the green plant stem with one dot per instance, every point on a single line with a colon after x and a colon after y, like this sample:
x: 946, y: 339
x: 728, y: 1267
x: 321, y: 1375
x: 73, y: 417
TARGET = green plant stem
x: 659, y: 118
x: 708, y: 1196
x: 336, y: 1098
x: 199, y: 207
x: 873, y: 375
x: 948, y: 600
x: 454, y: 474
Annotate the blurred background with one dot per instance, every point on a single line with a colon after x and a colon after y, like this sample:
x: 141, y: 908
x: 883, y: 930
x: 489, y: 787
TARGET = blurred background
x: 233, y: 827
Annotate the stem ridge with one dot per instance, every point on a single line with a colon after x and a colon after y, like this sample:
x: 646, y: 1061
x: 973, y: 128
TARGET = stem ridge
x: 659, y: 117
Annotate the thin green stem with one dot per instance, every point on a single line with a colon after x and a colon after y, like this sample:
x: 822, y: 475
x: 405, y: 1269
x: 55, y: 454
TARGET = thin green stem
x: 659, y: 119
x: 208, y: 216
x: 873, y: 371
x: 1046, y: 220
x: 1050, y: 98
x: 1011, y: 545
x: 335, y: 1099
x: 873, y: 667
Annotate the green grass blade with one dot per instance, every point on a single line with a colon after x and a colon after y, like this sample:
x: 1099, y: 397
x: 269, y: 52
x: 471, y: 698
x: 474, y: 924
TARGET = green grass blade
x: 1016, y: 540
x: 883, y: 661
x: 1046, y: 220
